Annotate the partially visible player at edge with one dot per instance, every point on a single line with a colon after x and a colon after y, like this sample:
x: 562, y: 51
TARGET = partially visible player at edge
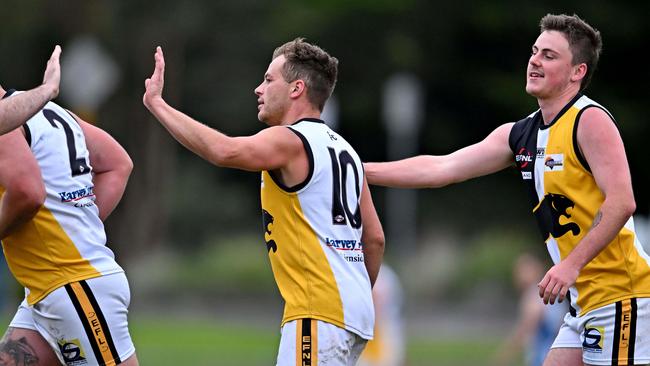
x: 60, y: 177
x: 15, y: 111
x: 314, y: 201
x: 571, y: 157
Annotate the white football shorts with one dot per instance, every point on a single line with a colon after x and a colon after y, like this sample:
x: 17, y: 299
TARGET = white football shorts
x: 310, y: 342
x: 84, y: 322
x: 615, y: 334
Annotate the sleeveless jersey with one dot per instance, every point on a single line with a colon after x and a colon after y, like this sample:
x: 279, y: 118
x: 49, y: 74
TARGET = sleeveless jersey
x: 313, y: 233
x: 65, y: 241
x: 565, y: 200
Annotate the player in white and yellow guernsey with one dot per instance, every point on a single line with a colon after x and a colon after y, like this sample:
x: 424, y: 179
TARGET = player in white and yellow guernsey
x: 59, y: 178
x: 571, y: 156
x: 324, y: 239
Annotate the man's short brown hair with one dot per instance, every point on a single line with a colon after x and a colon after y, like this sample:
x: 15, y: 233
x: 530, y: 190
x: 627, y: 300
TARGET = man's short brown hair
x: 584, y: 41
x: 311, y: 64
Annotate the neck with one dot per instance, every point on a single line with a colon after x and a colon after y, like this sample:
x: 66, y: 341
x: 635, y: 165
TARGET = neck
x: 550, y: 107
x: 298, y: 113
x: 2, y: 92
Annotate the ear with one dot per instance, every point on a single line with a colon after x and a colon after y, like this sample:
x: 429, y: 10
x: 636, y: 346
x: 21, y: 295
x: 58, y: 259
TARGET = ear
x: 298, y: 87
x: 579, y: 72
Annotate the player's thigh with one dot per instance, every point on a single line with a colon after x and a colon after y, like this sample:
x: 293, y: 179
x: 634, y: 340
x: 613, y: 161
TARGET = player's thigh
x: 86, y: 321
x: 21, y: 346
x: 564, y: 357
x: 314, y: 342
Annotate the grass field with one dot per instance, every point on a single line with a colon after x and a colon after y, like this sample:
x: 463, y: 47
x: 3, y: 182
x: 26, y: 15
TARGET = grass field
x: 170, y: 341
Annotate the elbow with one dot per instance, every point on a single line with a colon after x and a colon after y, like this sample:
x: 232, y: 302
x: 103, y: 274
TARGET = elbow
x: 31, y: 197
x: 126, y: 167
x: 629, y: 207
x: 377, y: 241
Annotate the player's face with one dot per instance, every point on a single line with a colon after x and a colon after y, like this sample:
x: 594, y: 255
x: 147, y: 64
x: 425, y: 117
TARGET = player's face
x: 550, y: 66
x: 273, y: 94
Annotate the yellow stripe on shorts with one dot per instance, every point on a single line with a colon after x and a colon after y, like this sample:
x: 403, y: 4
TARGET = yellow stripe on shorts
x: 94, y: 323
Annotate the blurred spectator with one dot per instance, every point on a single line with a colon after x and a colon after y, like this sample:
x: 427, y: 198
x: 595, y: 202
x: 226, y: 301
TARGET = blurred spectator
x: 387, y: 347
x: 537, y: 324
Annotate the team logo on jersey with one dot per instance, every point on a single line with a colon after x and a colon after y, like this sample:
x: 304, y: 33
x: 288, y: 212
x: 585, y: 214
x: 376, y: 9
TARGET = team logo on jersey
x: 554, y: 163
x: 83, y: 197
x: 72, y: 352
x: 540, y: 153
x: 548, y: 213
x: 350, y: 249
x: 267, y: 221
x: 594, y: 338
x: 523, y: 158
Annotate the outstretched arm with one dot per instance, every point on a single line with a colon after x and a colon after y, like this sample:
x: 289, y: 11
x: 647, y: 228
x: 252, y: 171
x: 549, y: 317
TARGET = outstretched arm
x: 18, y: 109
x: 428, y: 171
x: 372, y: 236
x: 112, y: 167
x: 602, y: 147
x: 20, y: 178
x: 272, y: 148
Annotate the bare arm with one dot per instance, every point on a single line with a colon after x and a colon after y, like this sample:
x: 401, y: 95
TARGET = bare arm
x: 112, y: 167
x: 372, y: 236
x: 20, y: 177
x: 428, y: 171
x: 18, y: 109
x: 270, y: 149
x: 602, y: 147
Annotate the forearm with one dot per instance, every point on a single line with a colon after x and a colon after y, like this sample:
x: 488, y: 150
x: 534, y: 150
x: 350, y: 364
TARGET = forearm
x: 202, y: 140
x: 109, y: 189
x: 417, y: 172
x: 373, y: 254
x: 610, y: 219
x: 14, y: 212
x: 16, y: 110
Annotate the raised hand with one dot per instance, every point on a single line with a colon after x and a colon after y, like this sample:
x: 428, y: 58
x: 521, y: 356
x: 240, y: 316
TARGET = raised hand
x: 52, y: 75
x: 154, y: 85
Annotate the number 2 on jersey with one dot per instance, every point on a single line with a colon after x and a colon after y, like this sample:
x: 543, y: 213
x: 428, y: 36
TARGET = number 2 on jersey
x: 341, y: 212
x: 78, y: 166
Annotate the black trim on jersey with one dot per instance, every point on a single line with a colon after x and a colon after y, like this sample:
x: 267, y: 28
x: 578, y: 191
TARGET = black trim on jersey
x: 562, y: 111
x: 28, y: 135
x: 308, y: 120
x: 102, y: 321
x: 310, y: 158
x: 572, y: 310
x: 576, y: 147
x: 8, y: 93
x: 523, y: 138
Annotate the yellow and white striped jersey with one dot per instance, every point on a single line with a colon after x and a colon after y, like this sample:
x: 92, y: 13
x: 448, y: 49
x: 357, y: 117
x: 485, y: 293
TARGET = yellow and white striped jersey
x: 565, y: 200
x: 313, y: 234
x: 65, y: 241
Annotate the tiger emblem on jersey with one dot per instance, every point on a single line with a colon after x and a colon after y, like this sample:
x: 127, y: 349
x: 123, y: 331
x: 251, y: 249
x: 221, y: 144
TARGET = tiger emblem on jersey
x: 548, y: 214
x: 267, y: 220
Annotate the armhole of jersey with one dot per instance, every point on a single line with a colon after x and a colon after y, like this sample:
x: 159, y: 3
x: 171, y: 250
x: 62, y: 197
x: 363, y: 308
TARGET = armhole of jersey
x: 576, y: 147
x: 28, y: 135
x: 310, y: 159
x: 515, y: 132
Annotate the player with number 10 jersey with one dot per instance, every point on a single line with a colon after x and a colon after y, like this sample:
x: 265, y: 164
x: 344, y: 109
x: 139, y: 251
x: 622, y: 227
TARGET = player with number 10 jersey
x: 313, y: 234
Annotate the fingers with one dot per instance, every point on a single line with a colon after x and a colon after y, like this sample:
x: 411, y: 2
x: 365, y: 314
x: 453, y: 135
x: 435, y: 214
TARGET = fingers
x: 56, y: 54
x: 551, y: 290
